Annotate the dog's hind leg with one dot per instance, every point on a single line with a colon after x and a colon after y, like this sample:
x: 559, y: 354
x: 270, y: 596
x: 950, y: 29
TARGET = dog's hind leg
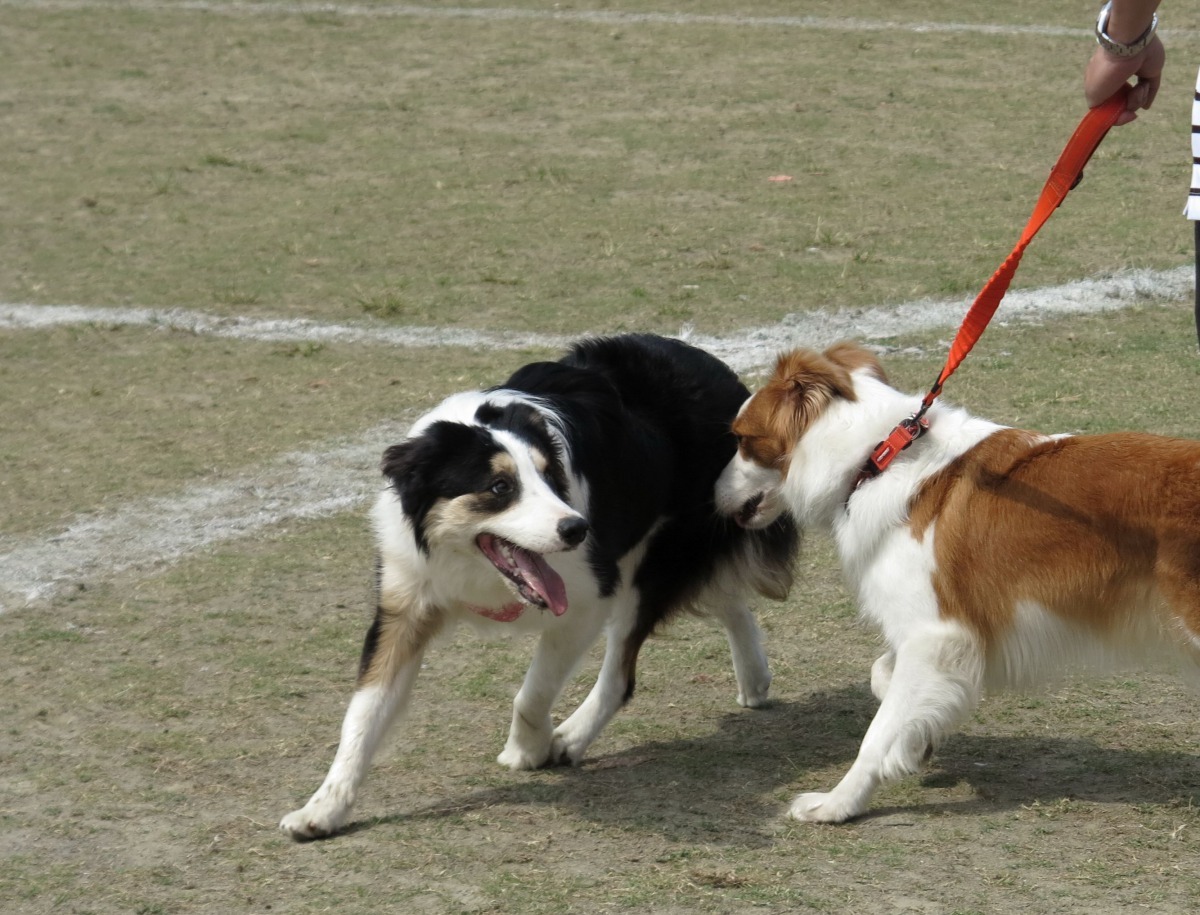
x: 391, y: 661
x: 613, y: 687
x: 745, y: 644
x: 935, y: 685
x: 558, y: 653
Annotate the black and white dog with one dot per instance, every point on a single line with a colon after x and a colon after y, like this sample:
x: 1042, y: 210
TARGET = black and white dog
x: 576, y: 496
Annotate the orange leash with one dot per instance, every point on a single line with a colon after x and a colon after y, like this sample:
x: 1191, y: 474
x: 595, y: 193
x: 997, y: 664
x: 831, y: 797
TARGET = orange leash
x: 1067, y: 172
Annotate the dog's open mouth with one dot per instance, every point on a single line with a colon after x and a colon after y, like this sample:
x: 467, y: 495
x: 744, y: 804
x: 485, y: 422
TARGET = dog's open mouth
x: 535, y: 581
x: 749, y: 509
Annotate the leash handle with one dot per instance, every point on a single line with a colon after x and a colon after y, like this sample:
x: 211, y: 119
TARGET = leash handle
x: 1066, y: 173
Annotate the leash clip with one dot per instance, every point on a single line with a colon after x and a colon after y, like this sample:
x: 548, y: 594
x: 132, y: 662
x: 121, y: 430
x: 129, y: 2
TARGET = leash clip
x: 905, y: 433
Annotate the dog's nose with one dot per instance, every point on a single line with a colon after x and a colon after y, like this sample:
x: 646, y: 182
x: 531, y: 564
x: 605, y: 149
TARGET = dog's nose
x: 573, y: 530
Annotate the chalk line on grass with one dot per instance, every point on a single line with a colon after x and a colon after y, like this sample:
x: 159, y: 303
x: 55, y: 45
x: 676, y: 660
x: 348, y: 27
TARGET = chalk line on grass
x: 756, y: 348
x: 150, y: 533
x: 596, y: 17
x: 745, y: 351
x: 154, y: 532
x: 497, y: 14
x: 268, y: 330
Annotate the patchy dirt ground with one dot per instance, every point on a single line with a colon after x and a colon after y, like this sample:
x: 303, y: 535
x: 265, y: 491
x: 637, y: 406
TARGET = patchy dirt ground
x: 154, y: 726
x: 154, y: 731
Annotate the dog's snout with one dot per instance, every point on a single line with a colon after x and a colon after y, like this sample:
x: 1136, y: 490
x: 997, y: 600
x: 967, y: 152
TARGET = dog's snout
x: 573, y: 530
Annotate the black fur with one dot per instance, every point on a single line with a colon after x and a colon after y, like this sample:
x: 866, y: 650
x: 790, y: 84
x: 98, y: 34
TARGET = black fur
x: 525, y: 422
x: 447, y: 460
x: 647, y: 426
x: 648, y: 423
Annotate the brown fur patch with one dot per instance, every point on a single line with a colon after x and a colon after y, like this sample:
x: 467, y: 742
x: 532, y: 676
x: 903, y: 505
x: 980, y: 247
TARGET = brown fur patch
x: 1087, y: 527
x: 449, y: 515
x: 802, y: 385
x: 503, y: 464
x: 852, y: 357
x: 397, y: 635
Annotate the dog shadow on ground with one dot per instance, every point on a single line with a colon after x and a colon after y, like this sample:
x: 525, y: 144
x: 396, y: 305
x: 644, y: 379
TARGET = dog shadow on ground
x: 733, y: 785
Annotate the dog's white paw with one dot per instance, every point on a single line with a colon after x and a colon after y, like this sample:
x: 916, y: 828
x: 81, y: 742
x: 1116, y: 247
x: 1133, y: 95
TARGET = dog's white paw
x: 520, y: 759
x: 755, y: 695
x: 568, y: 749
x: 314, y: 821
x: 821, y: 807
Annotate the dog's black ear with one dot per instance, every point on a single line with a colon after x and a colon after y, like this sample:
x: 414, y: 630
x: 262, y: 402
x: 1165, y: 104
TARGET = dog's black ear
x: 446, y: 460
x: 407, y: 466
x: 402, y: 463
x: 415, y: 460
x: 412, y: 467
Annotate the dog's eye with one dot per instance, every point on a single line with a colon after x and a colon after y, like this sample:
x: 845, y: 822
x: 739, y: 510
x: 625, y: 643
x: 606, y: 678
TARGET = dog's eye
x: 501, y: 487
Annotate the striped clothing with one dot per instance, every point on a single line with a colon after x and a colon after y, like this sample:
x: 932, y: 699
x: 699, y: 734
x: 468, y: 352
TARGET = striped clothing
x: 1192, y: 210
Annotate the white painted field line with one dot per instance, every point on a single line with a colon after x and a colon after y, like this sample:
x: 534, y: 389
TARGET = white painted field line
x: 152, y: 532
x: 603, y: 17
x: 268, y: 330
x: 756, y: 348
x: 600, y: 17
x: 745, y: 351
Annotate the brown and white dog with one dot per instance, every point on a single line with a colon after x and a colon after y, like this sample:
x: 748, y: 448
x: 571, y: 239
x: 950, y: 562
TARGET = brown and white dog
x: 989, y: 556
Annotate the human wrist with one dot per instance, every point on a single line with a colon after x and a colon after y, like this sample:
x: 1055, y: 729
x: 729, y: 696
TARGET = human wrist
x: 1126, y: 31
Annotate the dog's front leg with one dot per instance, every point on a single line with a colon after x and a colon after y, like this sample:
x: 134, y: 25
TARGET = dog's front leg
x: 390, y: 663
x: 554, y: 660
x: 935, y: 685
x: 613, y: 688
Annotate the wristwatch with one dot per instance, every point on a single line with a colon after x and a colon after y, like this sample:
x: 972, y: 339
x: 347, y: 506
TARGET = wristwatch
x: 1117, y: 48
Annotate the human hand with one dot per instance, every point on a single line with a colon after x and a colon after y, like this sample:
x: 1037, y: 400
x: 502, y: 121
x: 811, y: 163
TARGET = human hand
x: 1106, y: 73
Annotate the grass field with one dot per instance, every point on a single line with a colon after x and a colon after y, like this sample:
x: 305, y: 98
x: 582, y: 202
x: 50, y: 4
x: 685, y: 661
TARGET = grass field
x: 544, y: 171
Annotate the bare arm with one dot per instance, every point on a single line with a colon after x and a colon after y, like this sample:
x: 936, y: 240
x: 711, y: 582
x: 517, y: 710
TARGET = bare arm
x: 1127, y: 21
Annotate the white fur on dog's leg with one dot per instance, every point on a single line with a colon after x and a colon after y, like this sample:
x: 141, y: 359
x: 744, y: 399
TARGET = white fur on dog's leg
x: 530, y: 739
x: 528, y: 744
x: 849, y: 799
x: 818, y: 807
x: 881, y: 674
x: 573, y: 737
x: 372, y: 710
x: 323, y: 815
x: 745, y: 644
x: 935, y: 685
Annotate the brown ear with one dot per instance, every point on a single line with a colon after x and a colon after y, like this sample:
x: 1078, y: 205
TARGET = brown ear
x: 853, y: 356
x: 807, y: 381
x: 812, y: 379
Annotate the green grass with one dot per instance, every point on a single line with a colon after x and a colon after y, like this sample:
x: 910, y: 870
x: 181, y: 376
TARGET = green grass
x: 515, y: 174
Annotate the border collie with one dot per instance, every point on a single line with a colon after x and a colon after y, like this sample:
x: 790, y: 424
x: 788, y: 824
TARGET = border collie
x: 574, y: 498
x: 990, y: 557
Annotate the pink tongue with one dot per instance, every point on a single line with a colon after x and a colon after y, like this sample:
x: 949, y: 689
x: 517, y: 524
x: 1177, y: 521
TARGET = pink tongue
x: 543, y: 579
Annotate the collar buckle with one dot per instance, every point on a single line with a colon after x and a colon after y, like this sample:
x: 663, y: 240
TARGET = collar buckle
x: 907, y: 432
